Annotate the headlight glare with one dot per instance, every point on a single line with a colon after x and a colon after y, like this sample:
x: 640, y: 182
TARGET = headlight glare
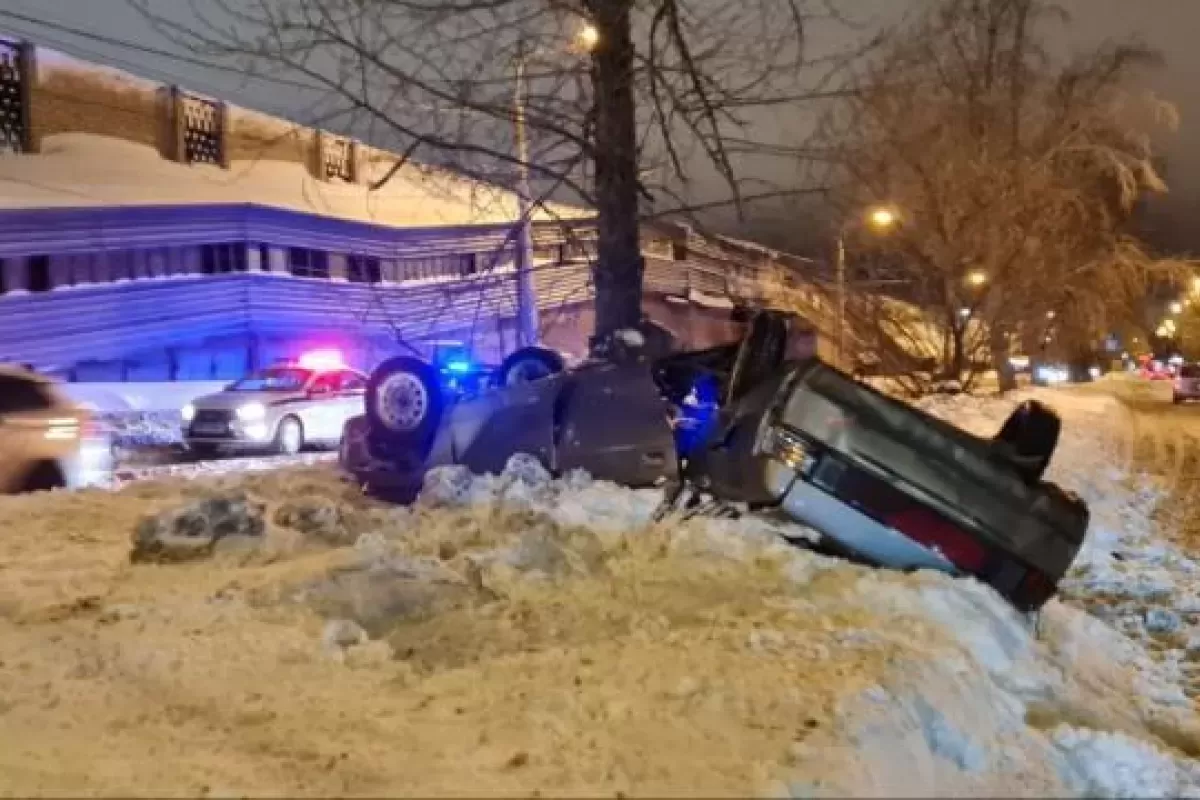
x: 251, y: 411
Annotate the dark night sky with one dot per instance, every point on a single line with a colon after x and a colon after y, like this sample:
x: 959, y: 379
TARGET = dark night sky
x: 1167, y: 25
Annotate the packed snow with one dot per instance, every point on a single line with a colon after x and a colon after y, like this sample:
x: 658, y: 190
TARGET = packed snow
x: 277, y: 633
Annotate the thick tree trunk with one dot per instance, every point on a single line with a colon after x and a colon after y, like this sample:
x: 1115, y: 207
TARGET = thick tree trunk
x: 619, y: 267
x: 1007, y: 376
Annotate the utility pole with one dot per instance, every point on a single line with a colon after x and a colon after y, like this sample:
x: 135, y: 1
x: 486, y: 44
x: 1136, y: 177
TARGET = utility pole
x: 840, y: 280
x: 527, y: 302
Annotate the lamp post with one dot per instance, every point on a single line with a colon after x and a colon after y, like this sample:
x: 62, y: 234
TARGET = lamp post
x: 527, y: 306
x: 880, y: 219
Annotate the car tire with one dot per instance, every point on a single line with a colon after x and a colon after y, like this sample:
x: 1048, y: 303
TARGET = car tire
x: 529, y: 364
x: 1176, y: 399
x: 404, y: 402
x: 289, y: 437
x: 1031, y: 432
x: 44, y: 477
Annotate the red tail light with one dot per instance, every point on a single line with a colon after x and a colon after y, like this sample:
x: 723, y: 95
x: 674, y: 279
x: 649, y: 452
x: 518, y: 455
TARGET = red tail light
x: 937, y: 533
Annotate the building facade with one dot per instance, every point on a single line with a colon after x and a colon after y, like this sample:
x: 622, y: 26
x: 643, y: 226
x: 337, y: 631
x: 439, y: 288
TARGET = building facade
x: 148, y: 233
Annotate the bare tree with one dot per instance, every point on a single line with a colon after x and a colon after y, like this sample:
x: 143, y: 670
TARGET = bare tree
x: 666, y: 93
x: 1014, y: 177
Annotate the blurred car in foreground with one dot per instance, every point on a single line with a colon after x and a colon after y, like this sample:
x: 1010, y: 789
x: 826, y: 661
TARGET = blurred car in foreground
x: 1187, y: 384
x: 281, y: 408
x: 46, y: 441
x: 751, y: 424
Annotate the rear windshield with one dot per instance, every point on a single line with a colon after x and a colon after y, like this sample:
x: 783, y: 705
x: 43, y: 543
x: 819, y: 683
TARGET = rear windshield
x: 1190, y: 371
x: 275, y: 379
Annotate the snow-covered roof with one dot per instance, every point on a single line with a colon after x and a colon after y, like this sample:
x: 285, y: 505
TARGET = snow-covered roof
x: 79, y: 169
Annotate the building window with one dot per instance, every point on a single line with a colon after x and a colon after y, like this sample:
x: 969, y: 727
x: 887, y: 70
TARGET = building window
x: 203, y: 130
x: 363, y: 269
x: 679, y: 251
x: 39, y: 274
x: 306, y: 263
x: 470, y: 264
x: 219, y: 259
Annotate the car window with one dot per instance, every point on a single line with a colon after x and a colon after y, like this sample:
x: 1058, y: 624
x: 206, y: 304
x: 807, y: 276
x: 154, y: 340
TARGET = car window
x: 352, y: 382
x: 19, y: 394
x: 274, y: 379
x: 325, y: 383
x: 1190, y: 371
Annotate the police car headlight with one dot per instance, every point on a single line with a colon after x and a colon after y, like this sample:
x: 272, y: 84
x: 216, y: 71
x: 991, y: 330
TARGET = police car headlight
x: 188, y: 412
x: 251, y: 412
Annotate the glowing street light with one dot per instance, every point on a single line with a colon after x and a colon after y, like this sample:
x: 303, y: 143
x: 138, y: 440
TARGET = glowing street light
x: 977, y: 277
x: 882, y: 218
x: 589, y: 37
x: 1177, y: 307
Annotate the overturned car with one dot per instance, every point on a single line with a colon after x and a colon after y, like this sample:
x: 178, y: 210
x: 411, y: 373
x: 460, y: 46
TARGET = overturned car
x: 749, y: 424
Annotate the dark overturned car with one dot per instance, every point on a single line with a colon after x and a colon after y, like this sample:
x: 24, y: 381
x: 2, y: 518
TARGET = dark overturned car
x: 751, y: 425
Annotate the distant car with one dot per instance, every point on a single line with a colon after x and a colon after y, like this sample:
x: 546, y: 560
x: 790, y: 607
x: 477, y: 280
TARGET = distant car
x: 46, y: 441
x: 749, y: 423
x: 1187, y: 384
x: 281, y: 408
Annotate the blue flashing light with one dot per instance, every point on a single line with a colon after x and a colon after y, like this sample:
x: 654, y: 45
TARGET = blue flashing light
x: 458, y: 365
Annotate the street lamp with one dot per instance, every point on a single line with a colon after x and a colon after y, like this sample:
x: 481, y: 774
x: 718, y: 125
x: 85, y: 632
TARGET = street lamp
x: 527, y: 310
x: 879, y: 218
x: 977, y: 277
x: 1176, y: 307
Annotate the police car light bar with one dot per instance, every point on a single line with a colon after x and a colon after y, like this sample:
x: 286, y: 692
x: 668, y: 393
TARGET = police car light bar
x: 322, y: 359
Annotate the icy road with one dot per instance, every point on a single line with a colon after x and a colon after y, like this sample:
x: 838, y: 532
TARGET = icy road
x: 513, y: 635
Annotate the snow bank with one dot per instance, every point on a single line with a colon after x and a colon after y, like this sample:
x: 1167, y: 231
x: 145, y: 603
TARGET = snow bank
x: 518, y: 634
x: 117, y: 398
x: 80, y: 169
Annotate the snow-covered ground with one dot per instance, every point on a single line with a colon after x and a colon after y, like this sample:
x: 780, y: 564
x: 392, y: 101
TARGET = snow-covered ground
x: 513, y: 635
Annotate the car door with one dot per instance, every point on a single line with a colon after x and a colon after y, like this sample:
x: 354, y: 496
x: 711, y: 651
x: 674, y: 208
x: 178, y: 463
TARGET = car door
x: 321, y: 412
x: 352, y: 391
x: 19, y: 435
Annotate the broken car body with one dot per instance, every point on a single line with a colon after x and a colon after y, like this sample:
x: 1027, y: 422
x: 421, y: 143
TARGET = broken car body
x: 750, y: 424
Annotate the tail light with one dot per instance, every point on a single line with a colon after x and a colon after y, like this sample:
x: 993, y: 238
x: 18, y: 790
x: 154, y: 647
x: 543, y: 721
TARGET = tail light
x: 937, y: 533
x: 62, y: 428
x: 786, y: 446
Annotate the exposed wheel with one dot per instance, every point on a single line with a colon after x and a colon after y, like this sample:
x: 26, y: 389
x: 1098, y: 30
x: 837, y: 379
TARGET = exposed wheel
x: 1031, y: 435
x: 45, y: 476
x: 529, y: 364
x: 289, y: 437
x: 404, y: 401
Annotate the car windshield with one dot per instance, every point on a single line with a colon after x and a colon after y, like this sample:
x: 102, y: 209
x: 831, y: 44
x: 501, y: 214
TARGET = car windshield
x: 275, y: 379
x: 1190, y: 371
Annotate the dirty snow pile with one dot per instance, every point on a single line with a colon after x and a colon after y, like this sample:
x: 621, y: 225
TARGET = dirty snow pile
x: 509, y: 635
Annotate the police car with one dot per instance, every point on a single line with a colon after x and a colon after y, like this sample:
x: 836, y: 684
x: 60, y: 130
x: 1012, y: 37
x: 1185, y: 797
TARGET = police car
x: 281, y: 408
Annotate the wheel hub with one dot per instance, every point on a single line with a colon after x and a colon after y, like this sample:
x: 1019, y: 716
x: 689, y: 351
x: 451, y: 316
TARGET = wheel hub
x: 404, y: 401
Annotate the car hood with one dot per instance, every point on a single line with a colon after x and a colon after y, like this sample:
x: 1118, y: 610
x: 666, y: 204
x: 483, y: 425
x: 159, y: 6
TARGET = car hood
x: 229, y: 400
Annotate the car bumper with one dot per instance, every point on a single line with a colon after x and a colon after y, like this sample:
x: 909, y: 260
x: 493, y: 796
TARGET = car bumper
x: 91, y: 465
x: 846, y: 527
x: 237, y: 436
